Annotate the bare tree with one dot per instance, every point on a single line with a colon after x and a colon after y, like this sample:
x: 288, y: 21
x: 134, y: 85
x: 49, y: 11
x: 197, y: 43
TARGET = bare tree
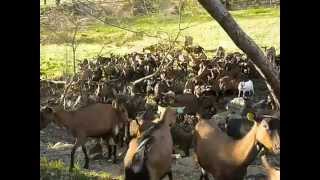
x: 58, y: 2
x: 65, y: 26
x: 216, y: 9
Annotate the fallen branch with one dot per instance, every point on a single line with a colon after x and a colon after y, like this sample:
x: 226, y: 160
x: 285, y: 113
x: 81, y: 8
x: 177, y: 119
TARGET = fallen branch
x: 53, y: 82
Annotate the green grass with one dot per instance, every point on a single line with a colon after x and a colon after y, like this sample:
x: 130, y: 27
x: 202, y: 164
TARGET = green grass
x: 262, y: 25
x: 56, y: 170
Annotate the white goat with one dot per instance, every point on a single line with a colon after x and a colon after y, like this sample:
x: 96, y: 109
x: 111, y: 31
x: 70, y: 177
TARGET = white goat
x: 245, y: 86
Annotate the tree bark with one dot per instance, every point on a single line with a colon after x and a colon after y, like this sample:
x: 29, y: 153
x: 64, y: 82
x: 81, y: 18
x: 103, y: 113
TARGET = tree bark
x: 216, y: 9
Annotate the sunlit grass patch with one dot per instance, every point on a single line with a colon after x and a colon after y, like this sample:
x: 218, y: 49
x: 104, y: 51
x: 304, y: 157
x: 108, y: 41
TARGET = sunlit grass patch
x: 261, y: 24
x: 54, y: 170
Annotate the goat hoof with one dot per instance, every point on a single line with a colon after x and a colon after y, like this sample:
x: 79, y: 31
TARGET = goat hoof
x: 86, y: 166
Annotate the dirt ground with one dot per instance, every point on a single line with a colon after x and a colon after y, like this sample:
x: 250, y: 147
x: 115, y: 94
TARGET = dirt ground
x: 183, y: 168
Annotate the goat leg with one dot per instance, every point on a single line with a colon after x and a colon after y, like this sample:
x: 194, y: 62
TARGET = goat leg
x: 109, y: 151
x: 86, y: 165
x: 186, y: 151
x: 204, y: 174
x: 121, y: 142
x: 114, y: 154
x: 72, y: 158
x: 169, y: 174
x: 74, y: 148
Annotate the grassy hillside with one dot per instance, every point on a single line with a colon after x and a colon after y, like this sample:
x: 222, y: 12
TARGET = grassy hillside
x: 263, y: 25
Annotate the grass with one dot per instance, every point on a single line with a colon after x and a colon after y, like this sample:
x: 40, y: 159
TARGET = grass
x: 262, y: 25
x: 56, y: 170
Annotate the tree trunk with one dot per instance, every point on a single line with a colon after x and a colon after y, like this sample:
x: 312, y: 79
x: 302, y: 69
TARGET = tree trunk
x: 245, y: 43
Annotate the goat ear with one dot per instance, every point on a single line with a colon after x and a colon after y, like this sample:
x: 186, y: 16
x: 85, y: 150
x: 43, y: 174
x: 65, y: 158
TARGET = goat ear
x: 48, y: 109
x: 251, y: 116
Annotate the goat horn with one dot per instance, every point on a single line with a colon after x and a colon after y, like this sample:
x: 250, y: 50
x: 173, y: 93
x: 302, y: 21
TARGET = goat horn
x: 268, y: 116
x: 145, y: 141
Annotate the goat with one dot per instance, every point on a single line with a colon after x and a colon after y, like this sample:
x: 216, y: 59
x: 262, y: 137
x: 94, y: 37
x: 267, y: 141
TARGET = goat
x: 182, y: 138
x: 187, y: 100
x: 207, y: 106
x: 244, y: 87
x: 223, y: 157
x: 149, y: 154
x: 97, y: 120
x: 237, y: 128
x: 272, y: 173
x: 44, y: 121
x: 160, y: 88
x: 141, y: 124
x: 227, y: 83
x: 133, y: 104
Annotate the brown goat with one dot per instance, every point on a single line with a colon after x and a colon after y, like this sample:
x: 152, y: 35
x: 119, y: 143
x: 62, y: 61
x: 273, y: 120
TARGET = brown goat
x: 223, y: 157
x: 227, y: 83
x: 43, y: 121
x: 272, y: 173
x: 149, y: 155
x: 97, y: 120
x: 189, y: 101
x: 182, y: 138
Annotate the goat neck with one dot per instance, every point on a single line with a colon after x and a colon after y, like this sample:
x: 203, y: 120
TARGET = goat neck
x: 272, y: 173
x: 244, y: 150
x: 64, y: 118
x: 167, y: 117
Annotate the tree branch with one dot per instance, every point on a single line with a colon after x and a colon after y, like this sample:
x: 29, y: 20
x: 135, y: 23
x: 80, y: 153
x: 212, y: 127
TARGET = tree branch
x: 244, y: 42
x: 114, y: 25
x: 167, y: 53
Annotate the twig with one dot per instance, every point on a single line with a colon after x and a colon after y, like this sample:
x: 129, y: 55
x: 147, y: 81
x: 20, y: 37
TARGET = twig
x: 167, y: 53
x: 274, y: 97
x: 114, y: 25
x: 62, y: 98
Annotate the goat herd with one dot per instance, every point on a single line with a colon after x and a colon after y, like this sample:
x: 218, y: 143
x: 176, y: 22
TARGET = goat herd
x: 162, y: 98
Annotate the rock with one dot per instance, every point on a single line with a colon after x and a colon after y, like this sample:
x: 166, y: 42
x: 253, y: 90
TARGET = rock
x: 60, y: 145
x: 176, y: 156
x: 236, y: 105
